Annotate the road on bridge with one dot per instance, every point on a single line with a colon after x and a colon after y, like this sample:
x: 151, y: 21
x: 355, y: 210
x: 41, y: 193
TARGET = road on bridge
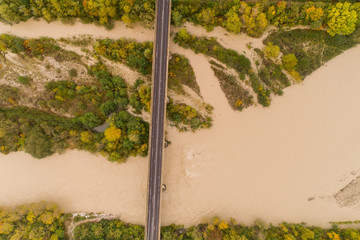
x: 158, y: 109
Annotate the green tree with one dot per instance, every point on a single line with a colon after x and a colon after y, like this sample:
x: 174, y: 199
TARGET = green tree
x: 38, y: 144
x: 108, y: 107
x: 233, y: 22
x: 176, y: 18
x: 90, y: 120
x: 15, y: 11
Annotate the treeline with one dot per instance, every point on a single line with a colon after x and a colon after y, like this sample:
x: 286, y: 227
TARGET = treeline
x: 102, y: 12
x: 46, y: 221
x: 32, y: 221
x: 216, y: 230
x: 235, y: 16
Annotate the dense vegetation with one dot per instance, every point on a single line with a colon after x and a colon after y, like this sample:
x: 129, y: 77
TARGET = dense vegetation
x: 33, y: 221
x: 311, y: 48
x: 138, y: 56
x: 65, y: 114
x: 216, y: 230
x: 108, y: 229
x: 253, y: 17
x: 46, y: 221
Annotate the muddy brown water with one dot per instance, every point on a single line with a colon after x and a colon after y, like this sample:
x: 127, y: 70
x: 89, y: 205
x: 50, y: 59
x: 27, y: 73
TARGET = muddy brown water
x: 261, y: 163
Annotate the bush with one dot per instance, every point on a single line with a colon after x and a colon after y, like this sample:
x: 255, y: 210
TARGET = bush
x: 73, y: 72
x: 23, y: 80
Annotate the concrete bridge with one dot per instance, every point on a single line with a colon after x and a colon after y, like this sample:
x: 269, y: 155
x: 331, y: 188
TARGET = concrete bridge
x: 158, y: 115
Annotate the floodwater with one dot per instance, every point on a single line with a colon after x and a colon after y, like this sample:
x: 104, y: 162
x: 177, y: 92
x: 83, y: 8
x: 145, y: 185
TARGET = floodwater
x: 282, y: 163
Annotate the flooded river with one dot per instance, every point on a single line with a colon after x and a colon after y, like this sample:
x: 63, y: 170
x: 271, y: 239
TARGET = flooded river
x: 279, y: 163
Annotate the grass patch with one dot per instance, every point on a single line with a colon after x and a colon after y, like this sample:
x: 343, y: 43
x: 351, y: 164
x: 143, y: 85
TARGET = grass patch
x: 237, y: 96
x: 23, y: 79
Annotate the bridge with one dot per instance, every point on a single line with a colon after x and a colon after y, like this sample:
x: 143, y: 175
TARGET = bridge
x: 158, y: 110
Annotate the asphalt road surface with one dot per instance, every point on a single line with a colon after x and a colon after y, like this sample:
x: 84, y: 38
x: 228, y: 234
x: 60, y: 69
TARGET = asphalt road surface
x: 159, y: 87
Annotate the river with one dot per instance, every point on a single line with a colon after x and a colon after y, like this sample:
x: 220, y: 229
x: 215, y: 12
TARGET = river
x: 282, y: 163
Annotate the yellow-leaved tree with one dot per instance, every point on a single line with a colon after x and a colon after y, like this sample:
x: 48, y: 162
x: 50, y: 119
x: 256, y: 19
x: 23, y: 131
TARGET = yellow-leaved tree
x: 342, y: 19
x: 112, y: 134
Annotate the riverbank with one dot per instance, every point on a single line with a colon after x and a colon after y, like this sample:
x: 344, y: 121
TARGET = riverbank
x: 282, y: 163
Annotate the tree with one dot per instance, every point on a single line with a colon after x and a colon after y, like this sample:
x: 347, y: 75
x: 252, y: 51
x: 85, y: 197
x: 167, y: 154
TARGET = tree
x: 255, y: 22
x: 176, y: 18
x: 207, y: 18
x: 14, y: 11
x: 342, y: 19
x: 313, y: 13
x: 112, y: 134
x: 289, y: 61
x: 86, y: 136
x: 101, y: 9
x: 90, y: 120
x: 271, y: 50
x: 233, y: 22
x: 183, y: 35
x: 38, y: 144
x: 108, y: 107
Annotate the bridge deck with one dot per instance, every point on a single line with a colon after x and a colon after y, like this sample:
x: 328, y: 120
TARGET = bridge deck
x: 158, y: 110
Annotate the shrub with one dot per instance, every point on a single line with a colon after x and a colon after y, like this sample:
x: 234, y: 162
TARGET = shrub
x: 23, y: 79
x: 73, y: 72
